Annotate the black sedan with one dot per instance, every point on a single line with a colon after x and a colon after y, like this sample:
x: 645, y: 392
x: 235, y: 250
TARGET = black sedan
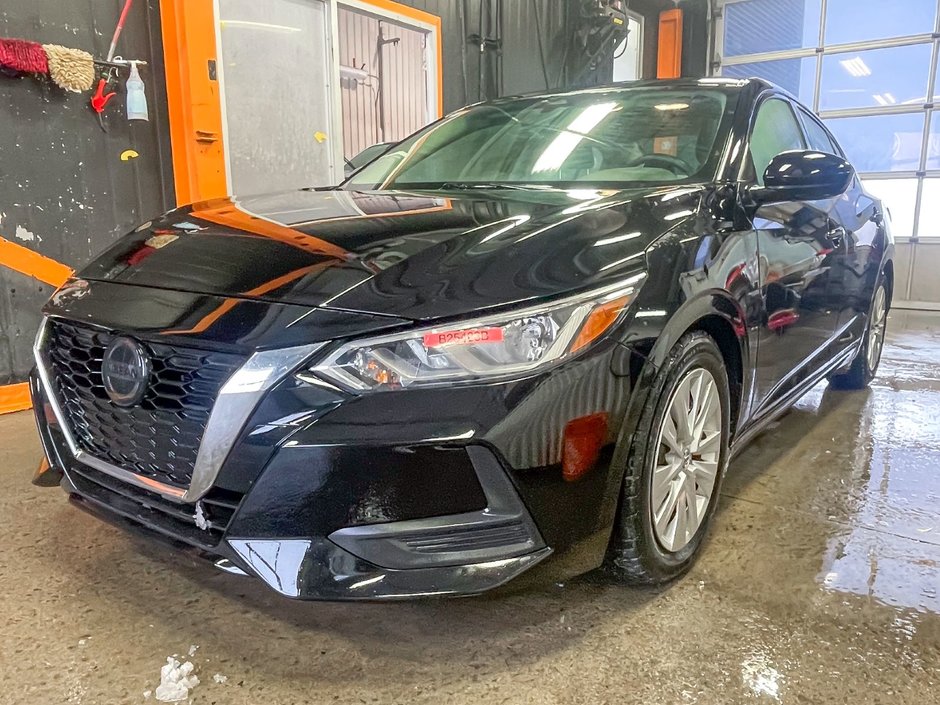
x: 527, y: 339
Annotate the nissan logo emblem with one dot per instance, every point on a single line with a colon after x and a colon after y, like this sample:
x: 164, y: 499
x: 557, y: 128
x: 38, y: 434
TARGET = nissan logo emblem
x: 125, y: 371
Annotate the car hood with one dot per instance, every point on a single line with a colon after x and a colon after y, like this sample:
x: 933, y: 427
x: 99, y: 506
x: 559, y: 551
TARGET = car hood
x: 416, y: 256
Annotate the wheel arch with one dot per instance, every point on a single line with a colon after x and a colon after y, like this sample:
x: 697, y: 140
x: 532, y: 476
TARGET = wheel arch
x: 720, y: 316
x: 888, y: 269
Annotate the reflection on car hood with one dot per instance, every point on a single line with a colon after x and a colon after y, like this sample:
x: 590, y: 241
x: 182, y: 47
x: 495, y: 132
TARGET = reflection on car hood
x: 411, y: 255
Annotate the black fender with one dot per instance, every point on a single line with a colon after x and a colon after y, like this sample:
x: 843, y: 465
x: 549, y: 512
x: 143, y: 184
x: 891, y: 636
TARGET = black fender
x: 648, y: 352
x: 712, y: 302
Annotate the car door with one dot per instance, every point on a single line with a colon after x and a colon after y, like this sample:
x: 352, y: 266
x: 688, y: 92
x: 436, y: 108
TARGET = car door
x: 797, y: 248
x: 856, y: 220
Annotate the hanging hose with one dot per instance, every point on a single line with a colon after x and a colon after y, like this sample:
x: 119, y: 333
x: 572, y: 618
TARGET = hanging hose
x: 462, y: 15
x: 538, y: 33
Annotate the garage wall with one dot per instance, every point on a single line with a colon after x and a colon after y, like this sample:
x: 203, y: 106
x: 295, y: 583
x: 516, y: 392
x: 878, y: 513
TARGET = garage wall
x: 65, y: 193
x: 513, y: 21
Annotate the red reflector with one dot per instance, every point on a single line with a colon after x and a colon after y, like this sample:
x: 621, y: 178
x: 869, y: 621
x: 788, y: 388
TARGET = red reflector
x: 779, y: 320
x: 470, y: 336
x: 582, y: 445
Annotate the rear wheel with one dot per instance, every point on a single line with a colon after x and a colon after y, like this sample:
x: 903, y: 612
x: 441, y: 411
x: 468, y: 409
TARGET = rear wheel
x: 865, y: 365
x: 675, y: 465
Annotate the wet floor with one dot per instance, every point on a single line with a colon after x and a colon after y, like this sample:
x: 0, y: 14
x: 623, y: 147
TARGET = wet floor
x: 820, y: 584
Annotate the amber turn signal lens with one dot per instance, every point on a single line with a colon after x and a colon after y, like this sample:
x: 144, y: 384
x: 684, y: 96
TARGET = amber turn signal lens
x: 599, y: 320
x: 583, y: 440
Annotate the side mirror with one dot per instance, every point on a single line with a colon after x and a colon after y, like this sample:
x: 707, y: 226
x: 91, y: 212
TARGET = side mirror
x: 805, y: 175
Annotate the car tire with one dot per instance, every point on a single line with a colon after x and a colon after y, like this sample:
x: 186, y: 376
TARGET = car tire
x: 641, y: 550
x: 865, y: 365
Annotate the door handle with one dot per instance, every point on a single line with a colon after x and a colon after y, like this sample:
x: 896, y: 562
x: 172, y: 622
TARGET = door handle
x: 837, y: 236
x: 206, y: 136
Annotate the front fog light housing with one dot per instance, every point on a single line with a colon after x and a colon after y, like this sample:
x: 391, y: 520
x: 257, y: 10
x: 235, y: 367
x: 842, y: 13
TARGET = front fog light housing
x: 507, y: 344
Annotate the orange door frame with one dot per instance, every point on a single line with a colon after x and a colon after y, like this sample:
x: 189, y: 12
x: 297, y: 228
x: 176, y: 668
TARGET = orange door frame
x: 194, y: 95
x: 193, y: 99
x: 669, y: 50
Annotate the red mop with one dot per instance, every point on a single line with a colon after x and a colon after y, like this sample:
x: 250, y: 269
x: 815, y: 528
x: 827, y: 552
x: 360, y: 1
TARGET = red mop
x: 20, y: 55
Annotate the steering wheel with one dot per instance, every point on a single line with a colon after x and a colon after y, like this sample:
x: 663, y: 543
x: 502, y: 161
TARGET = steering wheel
x: 667, y: 161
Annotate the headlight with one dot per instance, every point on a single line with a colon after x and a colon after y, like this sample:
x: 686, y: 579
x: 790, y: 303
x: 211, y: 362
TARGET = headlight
x: 507, y: 344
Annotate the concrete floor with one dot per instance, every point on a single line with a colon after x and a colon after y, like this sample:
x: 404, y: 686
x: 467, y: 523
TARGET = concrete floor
x: 820, y: 584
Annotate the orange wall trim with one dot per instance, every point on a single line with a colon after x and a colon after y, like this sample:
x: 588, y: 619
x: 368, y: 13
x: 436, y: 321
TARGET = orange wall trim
x: 669, y: 55
x: 193, y: 99
x: 32, y: 264
x: 14, y: 397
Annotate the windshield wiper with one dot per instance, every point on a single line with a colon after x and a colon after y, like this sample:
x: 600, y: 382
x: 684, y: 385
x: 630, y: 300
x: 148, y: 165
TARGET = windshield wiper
x: 482, y: 185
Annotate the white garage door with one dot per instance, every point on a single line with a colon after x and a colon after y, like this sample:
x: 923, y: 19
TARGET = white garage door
x: 869, y: 68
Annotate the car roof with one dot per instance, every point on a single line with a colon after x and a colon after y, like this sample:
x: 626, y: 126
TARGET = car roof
x: 725, y: 85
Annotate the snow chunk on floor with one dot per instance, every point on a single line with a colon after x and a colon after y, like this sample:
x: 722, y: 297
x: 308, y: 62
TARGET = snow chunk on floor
x: 219, y: 678
x: 192, y: 649
x: 24, y: 234
x: 176, y: 680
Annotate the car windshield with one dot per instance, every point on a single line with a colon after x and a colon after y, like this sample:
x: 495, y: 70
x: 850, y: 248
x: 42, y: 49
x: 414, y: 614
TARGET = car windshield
x: 603, y: 137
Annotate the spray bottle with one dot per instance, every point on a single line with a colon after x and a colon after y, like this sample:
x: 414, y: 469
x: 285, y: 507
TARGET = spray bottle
x: 136, y: 98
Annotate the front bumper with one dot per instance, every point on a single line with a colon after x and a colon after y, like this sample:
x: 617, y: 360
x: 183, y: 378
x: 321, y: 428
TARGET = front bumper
x: 462, y: 553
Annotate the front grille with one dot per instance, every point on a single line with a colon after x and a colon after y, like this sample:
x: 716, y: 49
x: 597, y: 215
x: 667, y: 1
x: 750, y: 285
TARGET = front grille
x: 159, y: 437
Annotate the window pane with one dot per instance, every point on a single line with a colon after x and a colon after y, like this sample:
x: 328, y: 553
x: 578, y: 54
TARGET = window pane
x: 775, y: 131
x: 627, y: 57
x: 881, y: 142
x: 898, y: 196
x: 933, y: 143
x: 896, y: 18
x: 930, y: 210
x: 876, y: 77
x: 754, y: 26
x: 270, y: 150
x: 818, y: 137
x: 795, y: 75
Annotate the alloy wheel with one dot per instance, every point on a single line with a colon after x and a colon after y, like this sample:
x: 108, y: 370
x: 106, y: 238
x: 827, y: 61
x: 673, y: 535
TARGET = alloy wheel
x: 876, y: 328
x: 687, y: 460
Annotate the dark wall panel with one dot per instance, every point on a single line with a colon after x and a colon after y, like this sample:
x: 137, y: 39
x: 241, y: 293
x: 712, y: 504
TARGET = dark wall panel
x: 64, y: 191
x: 516, y: 67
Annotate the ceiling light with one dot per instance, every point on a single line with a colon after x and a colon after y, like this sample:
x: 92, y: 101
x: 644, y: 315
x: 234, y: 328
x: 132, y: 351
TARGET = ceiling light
x: 258, y: 25
x: 672, y: 106
x: 856, y: 67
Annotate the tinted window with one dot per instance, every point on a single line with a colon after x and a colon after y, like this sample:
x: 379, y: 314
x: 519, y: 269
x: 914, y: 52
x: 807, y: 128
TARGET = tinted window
x: 775, y: 130
x: 817, y: 135
x: 632, y: 135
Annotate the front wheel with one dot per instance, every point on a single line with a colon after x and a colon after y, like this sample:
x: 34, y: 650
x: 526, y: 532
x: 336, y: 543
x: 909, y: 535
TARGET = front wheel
x: 675, y: 465
x: 865, y: 365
